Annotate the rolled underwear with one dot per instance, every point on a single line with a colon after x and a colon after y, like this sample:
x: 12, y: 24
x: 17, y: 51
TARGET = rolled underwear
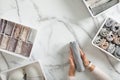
x: 116, y: 40
x: 110, y: 36
x: 111, y: 48
x: 115, y: 27
x: 104, y: 44
x: 109, y: 23
x: 104, y: 32
x: 17, y: 74
x: 97, y: 40
x: 77, y: 57
x: 117, y: 52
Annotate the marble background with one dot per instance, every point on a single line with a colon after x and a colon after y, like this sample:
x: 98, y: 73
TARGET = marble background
x: 58, y: 22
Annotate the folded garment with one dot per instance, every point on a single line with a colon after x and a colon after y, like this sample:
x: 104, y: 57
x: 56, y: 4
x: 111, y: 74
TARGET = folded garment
x: 1, y: 36
x: 16, y: 75
x: 111, y: 48
x: 32, y: 71
x: 117, y: 52
x: 18, y: 47
x: 25, y: 33
x: 77, y: 57
x: 12, y: 44
x: 17, y: 31
x: 98, y: 9
x: 3, y: 63
x: 3, y: 25
x: 119, y: 33
x: 26, y: 49
x: 9, y: 28
x: 4, y: 42
x: 116, y: 39
x: 104, y: 32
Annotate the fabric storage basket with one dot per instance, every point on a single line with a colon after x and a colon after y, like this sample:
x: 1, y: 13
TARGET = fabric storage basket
x: 16, y: 39
x: 97, y: 7
x: 30, y: 71
x: 107, y: 38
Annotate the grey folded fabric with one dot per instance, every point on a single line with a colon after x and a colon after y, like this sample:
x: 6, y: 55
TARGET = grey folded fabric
x: 103, y: 7
x: 97, y: 40
x: 77, y: 57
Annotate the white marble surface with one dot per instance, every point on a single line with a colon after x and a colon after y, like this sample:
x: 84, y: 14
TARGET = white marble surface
x: 58, y: 22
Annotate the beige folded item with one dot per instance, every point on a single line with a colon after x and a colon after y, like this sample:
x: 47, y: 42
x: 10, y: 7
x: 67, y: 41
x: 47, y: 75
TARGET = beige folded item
x: 16, y: 75
x: 4, y: 42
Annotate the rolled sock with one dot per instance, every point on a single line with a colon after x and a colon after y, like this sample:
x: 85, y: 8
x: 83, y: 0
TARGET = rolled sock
x: 77, y: 57
x: 9, y: 28
x: 116, y: 40
x: 4, y: 42
x: 100, y: 75
x: 119, y: 33
x: 25, y: 33
x: 104, y: 32
x: 110, y: 36
x: 17, y: 31
x: 109, y: 23
x: 97, y: 40
x: 26, y: 49
x: 32, y: 71
x: 115, y: 27
x: 18, y: 47
x: 117, y: 52
x: 1, y: 36
x: 111, y: 48
x: 3, y: 63
x: 104, y: 44
x: 12, y: 44
x: 16, y: 75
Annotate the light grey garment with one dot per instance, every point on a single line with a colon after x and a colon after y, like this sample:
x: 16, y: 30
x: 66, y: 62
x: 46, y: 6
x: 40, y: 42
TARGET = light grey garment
x: 109, y: 23
x: 103, y: 7
x: 104, y: 32
x: 111, y: 48
x: 77, y: 57
x: 117, y: 52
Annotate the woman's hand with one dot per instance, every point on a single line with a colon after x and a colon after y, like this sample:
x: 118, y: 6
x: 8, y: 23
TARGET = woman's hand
x: 72, y: 65
x: 84, y: 58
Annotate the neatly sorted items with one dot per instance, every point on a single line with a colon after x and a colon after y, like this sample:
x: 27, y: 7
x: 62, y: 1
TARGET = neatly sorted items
x: 108, y: 38
x: 77, y: 57
x: 97, y: 6
x: 31, y: 71
x: 16, y: 38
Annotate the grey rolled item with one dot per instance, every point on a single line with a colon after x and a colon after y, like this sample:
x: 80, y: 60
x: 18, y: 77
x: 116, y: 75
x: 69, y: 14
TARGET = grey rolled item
x: 77, y: 57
